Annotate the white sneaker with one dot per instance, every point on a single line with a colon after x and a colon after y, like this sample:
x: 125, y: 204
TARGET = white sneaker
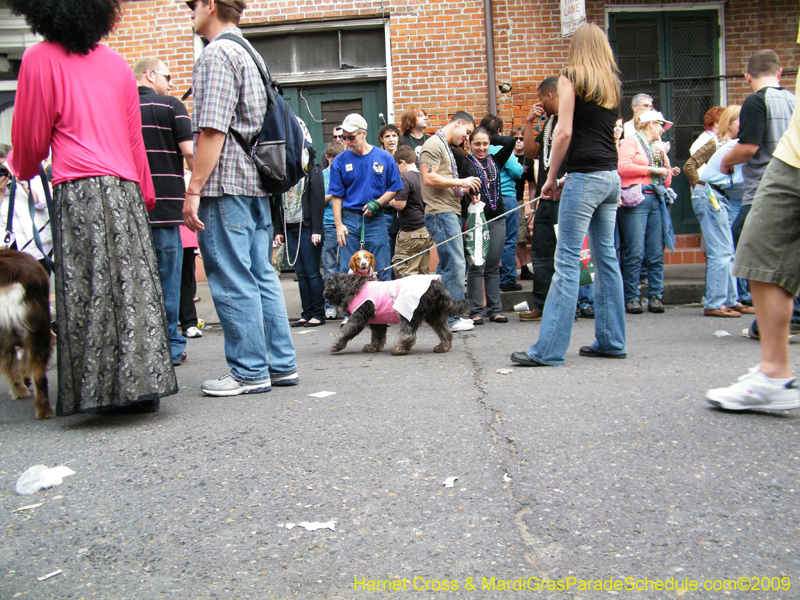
x: 228, y: 386
x: 330, y: 313
x: 193, y: 332
x: 462, y: 325
x: 756, y: 390
x: 288, y: 379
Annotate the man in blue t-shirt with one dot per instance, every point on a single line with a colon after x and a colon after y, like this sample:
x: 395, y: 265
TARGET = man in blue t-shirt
x: 363, y: 180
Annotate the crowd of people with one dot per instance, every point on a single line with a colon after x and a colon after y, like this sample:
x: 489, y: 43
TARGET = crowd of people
x: 601, y: 182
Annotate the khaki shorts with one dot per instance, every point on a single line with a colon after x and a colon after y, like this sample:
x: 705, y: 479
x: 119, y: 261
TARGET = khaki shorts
x: 769, y: 248
x: 524, y: 228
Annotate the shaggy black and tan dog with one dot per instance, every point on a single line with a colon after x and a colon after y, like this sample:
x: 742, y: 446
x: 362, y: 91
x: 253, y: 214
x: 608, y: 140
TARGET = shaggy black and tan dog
x: 408, y: 302
x: 25, y: 337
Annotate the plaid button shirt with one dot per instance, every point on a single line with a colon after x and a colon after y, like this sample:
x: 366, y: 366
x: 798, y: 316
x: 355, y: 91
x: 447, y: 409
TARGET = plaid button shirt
x: 229, y: 93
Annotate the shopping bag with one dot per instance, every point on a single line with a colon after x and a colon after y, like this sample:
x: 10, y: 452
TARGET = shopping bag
x: 587, y: 266
x: 477, y: 236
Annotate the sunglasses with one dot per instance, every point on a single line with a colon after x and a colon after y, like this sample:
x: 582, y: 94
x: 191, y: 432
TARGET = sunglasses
x: 337, y: 137
x: 349, y: 138
x: 519, y: 139
x: 166, y: 76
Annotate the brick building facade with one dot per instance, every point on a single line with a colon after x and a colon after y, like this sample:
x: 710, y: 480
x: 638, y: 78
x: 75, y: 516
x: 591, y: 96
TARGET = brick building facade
x: 435, y: 56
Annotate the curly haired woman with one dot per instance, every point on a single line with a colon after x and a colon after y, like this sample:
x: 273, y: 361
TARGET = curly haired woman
x: 79, y: 98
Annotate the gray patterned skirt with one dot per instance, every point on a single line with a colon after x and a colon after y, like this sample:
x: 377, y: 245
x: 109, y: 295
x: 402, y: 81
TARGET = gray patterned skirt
x: 113, y: 345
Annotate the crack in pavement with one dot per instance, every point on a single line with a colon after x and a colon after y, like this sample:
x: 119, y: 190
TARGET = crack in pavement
x: 495, y: 428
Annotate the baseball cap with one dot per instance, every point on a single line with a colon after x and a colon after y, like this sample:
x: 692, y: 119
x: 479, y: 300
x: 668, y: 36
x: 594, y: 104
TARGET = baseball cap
x: 237, y: 5
x: 654, y: 115
x: 354, y: 122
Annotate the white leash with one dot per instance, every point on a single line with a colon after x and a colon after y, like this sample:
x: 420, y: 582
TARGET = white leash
x: 400, y: 262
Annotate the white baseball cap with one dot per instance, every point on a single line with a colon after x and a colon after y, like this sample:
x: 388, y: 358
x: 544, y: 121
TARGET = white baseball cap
x: 653, y: 115
x: 354, y: 122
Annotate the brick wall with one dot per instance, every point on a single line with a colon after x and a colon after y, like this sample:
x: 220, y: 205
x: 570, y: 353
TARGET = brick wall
x: 438, y: 48
x: 439, y: 54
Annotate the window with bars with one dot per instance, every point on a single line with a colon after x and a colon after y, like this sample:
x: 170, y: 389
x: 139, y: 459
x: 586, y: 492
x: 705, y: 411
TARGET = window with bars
x: 674, y: 57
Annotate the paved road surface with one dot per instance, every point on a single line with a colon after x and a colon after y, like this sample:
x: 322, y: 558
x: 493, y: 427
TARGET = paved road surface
x: 599, y: 469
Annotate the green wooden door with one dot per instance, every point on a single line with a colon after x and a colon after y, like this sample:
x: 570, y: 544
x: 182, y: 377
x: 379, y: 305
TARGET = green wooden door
x: 324, y: 107
x: 674, y: 57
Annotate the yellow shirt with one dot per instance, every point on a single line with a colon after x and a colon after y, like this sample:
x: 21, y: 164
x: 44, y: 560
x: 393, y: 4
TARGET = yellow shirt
x: 788, y: 149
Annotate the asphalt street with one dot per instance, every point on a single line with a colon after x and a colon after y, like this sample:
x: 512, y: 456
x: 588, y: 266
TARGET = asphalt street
x: 597, y: 470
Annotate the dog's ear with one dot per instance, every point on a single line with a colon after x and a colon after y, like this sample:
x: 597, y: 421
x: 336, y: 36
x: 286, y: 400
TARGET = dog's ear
x: 354, y: 262
x: 371, y: 260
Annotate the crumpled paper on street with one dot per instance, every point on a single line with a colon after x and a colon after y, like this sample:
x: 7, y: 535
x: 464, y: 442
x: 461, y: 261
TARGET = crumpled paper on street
x: 312, y: 526
x: 39, y: 477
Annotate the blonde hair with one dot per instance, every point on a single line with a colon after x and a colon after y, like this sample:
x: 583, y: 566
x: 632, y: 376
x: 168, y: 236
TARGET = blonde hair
x: 728, y: 116
x: 591, y: 67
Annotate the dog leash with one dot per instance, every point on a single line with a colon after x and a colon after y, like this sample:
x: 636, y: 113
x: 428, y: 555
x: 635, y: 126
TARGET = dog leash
x: 508, y: 212
x: 12, y: 192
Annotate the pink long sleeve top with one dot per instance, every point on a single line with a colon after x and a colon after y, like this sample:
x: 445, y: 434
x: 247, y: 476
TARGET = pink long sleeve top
x: 633, y: 164
x: 84, y: 106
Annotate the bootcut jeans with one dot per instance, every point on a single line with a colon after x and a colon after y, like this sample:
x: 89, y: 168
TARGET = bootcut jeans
x: 588, y: 203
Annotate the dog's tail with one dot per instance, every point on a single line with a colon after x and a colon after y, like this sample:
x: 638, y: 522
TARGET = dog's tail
x: 456, y: 308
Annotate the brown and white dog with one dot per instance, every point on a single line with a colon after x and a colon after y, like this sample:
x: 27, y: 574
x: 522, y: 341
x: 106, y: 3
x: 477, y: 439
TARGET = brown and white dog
x: 26, y: 341
x: 362, y: 263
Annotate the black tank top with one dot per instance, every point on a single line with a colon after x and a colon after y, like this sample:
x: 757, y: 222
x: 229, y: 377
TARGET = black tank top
x: 592, y: 147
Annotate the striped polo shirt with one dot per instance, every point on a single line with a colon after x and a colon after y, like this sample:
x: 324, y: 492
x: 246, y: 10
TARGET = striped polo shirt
x: 165, y: 123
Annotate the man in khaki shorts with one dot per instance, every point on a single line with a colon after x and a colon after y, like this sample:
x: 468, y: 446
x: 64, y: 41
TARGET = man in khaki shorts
x: 769, y: 257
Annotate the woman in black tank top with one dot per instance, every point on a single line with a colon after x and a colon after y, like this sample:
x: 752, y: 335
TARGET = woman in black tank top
x: 589, y: 97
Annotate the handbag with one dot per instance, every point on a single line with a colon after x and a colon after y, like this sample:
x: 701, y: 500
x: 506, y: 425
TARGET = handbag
x: 632, y: 196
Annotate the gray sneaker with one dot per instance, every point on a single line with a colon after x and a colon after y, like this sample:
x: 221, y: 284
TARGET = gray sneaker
x: 288, y: 379
x: 228, y: 386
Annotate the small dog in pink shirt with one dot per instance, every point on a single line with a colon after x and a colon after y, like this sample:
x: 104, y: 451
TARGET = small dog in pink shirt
x: 408, y: 302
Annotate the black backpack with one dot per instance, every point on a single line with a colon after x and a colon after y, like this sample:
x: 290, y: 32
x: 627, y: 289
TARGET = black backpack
x: 278, y: 149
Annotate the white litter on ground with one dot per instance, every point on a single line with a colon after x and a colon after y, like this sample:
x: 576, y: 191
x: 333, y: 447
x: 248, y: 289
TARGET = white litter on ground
x: 449, y: 482
x: 322, y: 394
x: 49, y: 575
x: 312, y: 526
x: 722, y: 333
x: 39, y: 477
x: 505, y: 371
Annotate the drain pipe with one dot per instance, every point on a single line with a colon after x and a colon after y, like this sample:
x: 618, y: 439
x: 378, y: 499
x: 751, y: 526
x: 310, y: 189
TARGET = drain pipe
x: 487, y: 16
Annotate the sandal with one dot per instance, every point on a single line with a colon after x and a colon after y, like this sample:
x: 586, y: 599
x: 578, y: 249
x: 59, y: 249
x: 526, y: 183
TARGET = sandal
x: 499, y: 319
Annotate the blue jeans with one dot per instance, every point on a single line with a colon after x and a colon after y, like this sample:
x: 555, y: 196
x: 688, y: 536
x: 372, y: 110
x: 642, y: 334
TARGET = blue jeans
x: 716, y: 227
x: 452, y: 264
x: 586, y: 296
x: 169, y: 254
x: 742, y: 287
x: 508, y: 266
x: 307, y: 269
x: 246, y: 290
x: 588, y: 202
x: 330, y: 256
x: 376, y: 241
x: 642, y: 237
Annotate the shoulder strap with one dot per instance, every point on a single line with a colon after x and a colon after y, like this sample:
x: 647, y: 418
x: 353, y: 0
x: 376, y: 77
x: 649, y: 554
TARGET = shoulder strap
x: 12, y: 192
x: 32, y: 208
x: 265, y: 77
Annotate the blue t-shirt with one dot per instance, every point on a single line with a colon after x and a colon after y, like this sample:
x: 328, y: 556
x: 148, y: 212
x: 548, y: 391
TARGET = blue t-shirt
x: 327, y: 219
x: 361, y: 179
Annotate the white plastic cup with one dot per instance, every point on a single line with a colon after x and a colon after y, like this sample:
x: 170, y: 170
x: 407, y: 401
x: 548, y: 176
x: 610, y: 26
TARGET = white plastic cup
x: 521, y: 307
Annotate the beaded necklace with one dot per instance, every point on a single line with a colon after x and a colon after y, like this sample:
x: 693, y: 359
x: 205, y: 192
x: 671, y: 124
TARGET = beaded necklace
x: 292, y: 203
x: 453, y: 169
x: 651, y: 160
x: 547, y: 149
x: 490, y: 183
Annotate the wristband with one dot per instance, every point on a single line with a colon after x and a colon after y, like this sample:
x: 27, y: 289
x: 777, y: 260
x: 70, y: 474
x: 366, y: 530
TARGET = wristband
x: 191, y: 194
x: 373, y: 205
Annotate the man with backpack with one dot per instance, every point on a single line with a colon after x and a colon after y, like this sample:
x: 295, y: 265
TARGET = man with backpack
x: 227, y: 204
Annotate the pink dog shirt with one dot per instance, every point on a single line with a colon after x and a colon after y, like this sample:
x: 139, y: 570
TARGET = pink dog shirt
x: 392, y: 297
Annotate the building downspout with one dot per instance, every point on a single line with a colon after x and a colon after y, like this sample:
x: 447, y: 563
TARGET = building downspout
x: 487, y: 16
